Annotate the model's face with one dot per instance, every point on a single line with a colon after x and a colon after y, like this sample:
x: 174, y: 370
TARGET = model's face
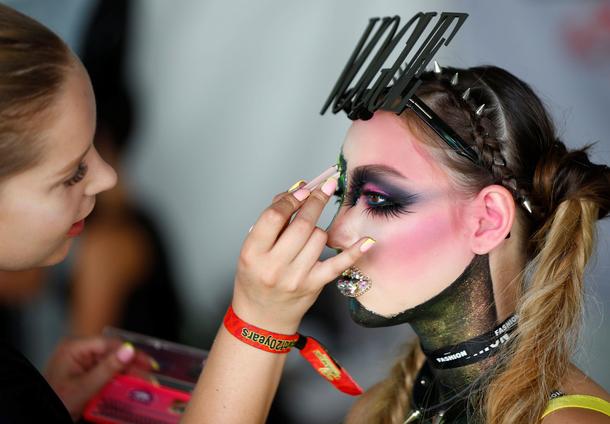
x: 398, y: 195
x: 40, y: 207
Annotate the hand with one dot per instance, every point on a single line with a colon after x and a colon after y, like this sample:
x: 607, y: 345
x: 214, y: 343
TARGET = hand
x: 279, y: 274
x: 80, y: 368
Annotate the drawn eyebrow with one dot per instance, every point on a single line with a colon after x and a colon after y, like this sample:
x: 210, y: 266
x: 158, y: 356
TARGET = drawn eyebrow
x: 374, y: 172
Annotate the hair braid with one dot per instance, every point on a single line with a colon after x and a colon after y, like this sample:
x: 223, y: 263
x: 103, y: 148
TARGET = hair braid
x: 487, y: 136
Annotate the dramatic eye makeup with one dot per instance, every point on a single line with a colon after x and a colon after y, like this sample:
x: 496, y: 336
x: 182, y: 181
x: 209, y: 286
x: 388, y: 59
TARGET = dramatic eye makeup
x: 372, y: 185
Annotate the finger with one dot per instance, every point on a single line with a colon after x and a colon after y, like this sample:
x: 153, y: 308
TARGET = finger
x: 310, y: 254
x: 299, y: 184
x: 326, y: 271
x: 300, y: 229
x: 313, y: 207
x: 272, y: 221
x: 101, y: 373
x: 96, y: 345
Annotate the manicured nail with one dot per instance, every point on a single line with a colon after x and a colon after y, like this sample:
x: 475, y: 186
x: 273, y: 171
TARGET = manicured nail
x: 329, y: 186
x: 295, y: 186
x: 126, y: 352
x: 368, y: 243
x: 154, y: 364
x: 301, y: 194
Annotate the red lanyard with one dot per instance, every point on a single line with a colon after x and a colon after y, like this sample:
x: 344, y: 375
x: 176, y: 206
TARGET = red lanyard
x: 310, y: 349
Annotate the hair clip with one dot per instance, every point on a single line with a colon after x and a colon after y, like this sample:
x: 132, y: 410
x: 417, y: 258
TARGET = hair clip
x: 480, y: 109
x: 437, y: 68
x: 455, y: 79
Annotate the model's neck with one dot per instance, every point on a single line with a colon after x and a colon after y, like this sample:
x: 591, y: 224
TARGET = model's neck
x: 463, y: 310
x: 466, y: 309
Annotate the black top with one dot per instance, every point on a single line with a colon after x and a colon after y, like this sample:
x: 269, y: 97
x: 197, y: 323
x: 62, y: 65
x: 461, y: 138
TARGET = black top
x: 25, y: 396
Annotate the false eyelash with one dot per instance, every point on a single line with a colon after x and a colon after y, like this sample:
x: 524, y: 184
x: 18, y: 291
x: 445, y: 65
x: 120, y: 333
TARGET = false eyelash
x: 391, y: 210
x: 393, y: 207
x: 81, y: 171
x: 339, y: 193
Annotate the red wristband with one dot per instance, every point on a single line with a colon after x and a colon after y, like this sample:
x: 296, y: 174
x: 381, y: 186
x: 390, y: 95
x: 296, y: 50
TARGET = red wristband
x: 257, y: 337
x: 310, y: 348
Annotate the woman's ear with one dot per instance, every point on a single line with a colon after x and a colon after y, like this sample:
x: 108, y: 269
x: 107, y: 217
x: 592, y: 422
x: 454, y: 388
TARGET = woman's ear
x: 493, y: 213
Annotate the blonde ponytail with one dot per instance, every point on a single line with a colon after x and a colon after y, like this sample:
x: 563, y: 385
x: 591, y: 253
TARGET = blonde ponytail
x: 549, y: 317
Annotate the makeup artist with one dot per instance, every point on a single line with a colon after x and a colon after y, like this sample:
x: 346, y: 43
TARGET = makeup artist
x: 50, y: 174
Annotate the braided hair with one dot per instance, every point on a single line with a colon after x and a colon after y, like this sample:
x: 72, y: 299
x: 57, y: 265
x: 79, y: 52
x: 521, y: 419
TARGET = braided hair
x: 562, y: 194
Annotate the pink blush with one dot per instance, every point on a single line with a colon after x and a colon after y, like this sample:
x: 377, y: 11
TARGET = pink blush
x: 409, y: 251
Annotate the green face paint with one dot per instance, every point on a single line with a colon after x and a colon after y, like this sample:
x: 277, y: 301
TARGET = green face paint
x: 463, y: 310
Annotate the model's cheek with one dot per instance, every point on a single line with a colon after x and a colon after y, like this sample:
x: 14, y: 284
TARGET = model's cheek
x: 413, y: 250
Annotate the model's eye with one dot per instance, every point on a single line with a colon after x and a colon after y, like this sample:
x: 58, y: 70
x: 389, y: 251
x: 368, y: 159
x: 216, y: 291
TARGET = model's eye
x: 375, y: 199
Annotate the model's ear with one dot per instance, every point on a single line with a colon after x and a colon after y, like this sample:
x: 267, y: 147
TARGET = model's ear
x: 493, y: 213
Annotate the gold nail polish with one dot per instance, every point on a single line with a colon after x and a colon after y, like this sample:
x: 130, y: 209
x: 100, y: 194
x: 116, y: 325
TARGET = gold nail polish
x: 154, y: 364
x: 369, y: 242
x: 295, y: 186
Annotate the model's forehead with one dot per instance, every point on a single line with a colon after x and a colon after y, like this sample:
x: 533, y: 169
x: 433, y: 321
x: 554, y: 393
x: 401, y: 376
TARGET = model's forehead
x: 386, y: 139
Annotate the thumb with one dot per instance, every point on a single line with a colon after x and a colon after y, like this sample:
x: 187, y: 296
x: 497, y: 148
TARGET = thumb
x: 331, y: 268
x: 101, y: 373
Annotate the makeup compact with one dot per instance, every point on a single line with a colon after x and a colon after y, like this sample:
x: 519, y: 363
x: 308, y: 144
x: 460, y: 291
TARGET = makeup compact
x: 154, y: 389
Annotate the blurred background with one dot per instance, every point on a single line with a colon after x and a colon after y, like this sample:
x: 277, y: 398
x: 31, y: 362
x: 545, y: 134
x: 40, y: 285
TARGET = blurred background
x: 208, y: 108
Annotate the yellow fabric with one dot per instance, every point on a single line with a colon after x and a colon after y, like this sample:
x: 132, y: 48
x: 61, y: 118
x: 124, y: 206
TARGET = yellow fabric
x: 578, y: 401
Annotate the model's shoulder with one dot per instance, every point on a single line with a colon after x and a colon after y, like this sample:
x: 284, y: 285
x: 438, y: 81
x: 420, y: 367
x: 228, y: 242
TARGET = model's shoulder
x: 584, y: 401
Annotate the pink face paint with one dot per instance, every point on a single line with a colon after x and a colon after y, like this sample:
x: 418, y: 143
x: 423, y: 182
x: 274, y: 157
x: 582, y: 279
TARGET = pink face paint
x: 418, y: 251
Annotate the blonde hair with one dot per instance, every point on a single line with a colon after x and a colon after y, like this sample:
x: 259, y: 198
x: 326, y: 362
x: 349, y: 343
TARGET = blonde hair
x: 33, y: 63
x: 568, y: 194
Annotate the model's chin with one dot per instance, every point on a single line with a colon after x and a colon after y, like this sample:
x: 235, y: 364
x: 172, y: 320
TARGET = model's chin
x: 363, y: 316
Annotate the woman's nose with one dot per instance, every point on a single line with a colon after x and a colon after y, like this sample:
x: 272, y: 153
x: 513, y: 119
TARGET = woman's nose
x: 341, y: 231
x: 103, y: 177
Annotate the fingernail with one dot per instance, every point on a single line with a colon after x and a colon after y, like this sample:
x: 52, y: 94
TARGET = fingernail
x: 329, y: 186
x: 301, y: 194
x: 295, y: 186
x: 251, y: 228
x: 368, y: 243
x: 154, y: 364
x: 126, y: 352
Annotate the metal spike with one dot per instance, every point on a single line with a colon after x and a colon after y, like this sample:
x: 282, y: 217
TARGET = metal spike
x: 437, y: 68
x: 412, y: 417
x: 499, y: 160
x: 466, y: 93
x: 480, y: 110
x: 455, y: 79
x: 527, y: 205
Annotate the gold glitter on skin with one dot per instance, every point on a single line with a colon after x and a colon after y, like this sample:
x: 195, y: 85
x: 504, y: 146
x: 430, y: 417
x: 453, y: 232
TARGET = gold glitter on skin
x: 463, y: 310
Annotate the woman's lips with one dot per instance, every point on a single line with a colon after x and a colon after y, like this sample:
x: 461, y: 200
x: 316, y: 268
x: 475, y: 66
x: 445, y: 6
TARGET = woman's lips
x: 76, y: 228
x: 353, y: 282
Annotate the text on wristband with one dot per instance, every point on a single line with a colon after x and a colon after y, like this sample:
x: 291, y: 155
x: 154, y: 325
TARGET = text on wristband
x: 268, y: 341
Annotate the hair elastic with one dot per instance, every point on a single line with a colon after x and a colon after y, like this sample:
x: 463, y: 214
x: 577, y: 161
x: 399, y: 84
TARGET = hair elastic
x: 311, y: 349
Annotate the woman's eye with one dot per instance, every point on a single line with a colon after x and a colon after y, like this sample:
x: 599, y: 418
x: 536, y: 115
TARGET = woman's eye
x: 375, y: 199
x: 78, y: 175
